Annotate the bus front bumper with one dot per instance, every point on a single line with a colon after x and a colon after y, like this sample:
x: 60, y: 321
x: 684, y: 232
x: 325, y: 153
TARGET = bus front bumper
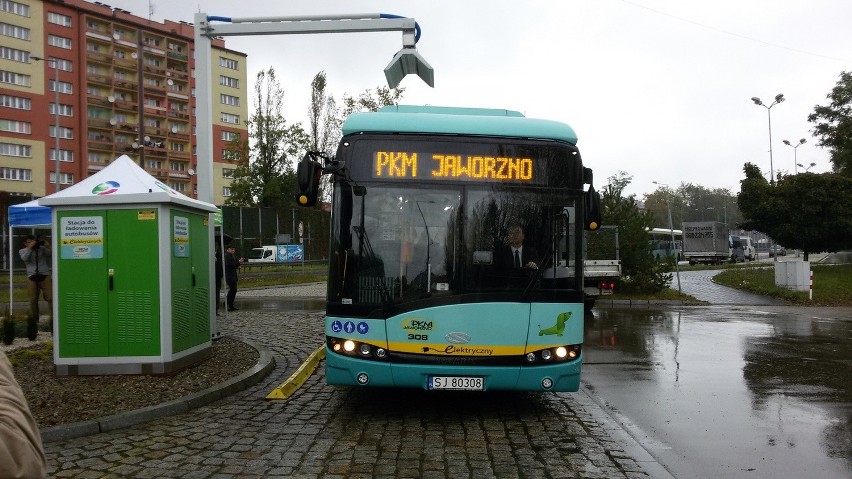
x: 343, y: 370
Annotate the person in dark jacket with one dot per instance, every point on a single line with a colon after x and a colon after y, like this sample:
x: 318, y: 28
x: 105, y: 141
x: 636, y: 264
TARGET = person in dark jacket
x: 232, y: 265
x: 516, y: 254
x: 220, y: 274
x: 36, y: 255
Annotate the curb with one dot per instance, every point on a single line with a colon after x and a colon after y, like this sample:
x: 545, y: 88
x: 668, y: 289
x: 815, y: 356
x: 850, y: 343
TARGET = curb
x: 265, y: 365
x: 622, y: 433
x: 646, y: 303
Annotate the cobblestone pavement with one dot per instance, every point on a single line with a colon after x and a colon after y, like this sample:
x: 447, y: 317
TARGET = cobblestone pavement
x: 329, y: 432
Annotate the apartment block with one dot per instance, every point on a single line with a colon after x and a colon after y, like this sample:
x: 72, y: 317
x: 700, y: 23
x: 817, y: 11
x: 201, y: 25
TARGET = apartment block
x: 84, y: 83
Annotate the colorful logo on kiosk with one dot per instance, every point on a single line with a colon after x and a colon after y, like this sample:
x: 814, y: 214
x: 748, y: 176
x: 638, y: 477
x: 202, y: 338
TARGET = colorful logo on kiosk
x: 106, y: 188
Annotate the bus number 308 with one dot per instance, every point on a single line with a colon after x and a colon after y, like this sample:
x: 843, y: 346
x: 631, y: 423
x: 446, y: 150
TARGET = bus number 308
x: 418, y: 337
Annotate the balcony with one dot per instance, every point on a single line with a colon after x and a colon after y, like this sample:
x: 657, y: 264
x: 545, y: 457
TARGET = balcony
x: 126, y: 83
x: 177, y: 56
x: 100, y: 145
x: 99, y: 57
x: 97, y: 78
x: 179, y: 115
x: 99, y: 123
x: 126, y: 105
x: 98, y: 101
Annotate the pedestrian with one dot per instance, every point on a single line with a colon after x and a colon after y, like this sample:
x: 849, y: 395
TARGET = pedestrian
x: 232, y: 264
x: 21, y: 449
x: 37, y: 256
x: 220, y: 274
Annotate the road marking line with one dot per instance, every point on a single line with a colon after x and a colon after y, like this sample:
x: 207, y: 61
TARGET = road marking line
x: 295, y: 381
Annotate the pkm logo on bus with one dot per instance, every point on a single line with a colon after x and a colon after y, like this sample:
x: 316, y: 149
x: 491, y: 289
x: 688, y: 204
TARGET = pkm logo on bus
x: 415, y: 324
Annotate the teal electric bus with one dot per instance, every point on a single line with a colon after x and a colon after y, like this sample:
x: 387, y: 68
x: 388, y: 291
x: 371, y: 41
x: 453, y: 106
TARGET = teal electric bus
x: 423, y: 290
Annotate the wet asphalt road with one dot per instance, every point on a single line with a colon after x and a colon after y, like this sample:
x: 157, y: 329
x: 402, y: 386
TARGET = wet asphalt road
x: 738, y: 389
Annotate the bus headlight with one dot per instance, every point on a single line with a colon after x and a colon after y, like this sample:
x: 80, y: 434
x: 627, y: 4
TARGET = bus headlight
x: 553, y: 354
x: 355, y: 348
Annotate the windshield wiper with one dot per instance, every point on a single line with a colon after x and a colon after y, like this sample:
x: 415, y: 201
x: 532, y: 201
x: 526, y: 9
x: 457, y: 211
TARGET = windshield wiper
x: 387, y: 300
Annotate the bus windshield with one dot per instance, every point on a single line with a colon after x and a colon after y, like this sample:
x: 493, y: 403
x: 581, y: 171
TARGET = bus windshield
x: 404, y: 240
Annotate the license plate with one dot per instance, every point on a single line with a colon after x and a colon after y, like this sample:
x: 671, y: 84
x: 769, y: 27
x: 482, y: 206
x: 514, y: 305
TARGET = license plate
x: 456, y: 383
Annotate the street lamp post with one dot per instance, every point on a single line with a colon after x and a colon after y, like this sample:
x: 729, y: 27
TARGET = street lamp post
x: 55, y: 110
x: 671, y: 230
x: 807, y: 168
x: 795, y: 156
x: 778, y: 99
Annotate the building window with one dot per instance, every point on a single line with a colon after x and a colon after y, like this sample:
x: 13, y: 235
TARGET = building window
x: 15, y: 8
x: 180, y: 147
x: 64, y: 178
x: 57, y: 41
x: 229, y: 63
x: 64, y: 110
x: 181, y: 187
x: 59, y: 19
x: 16, y: 102
x: 64, y: 155
x: 229, y: 118
x: 14, y: 54
x: 230, y: 155
x: 98, y: 158
x: 16, y: 174
x: 229, y: 100
x: 177, y: 165
x: 154, y: 164
x: 64, y: 132
x: 228, y: 172
x: 64, y: 65
x: 154, y: 42
x: 14, y: 31
x: 12, y: 149
x: 14, y: 78
x: 228, y: 81
x: 230, y: 136
x: 15, y: 126
x: 64, y: 87
x: 226, y: 191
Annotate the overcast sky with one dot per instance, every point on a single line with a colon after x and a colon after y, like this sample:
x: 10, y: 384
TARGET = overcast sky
x: 659, y: 89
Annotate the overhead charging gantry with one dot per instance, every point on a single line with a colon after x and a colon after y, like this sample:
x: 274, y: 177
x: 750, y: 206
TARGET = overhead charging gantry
x: 406, y: 61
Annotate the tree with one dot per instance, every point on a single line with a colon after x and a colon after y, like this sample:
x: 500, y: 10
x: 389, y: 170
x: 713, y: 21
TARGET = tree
x: 808, y: 211
x: 641, y: 272
x: 265, y: 175
x: 833, y: 125
x: 323, y: 117
x: 691, y: 202
x: 372, y: 100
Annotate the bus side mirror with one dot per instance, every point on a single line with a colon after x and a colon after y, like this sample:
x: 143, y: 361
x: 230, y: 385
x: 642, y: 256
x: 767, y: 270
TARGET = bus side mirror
x: 591, y: 209
x: 308, y: 174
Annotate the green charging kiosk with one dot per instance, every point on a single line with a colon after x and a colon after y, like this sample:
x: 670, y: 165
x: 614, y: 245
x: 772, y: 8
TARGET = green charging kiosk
x: 132, y: 275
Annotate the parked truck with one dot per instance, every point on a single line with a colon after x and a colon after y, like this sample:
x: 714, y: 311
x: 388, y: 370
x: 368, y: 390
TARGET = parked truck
x: 281, y: 253
x: 602, y: 264
x: 706, y: 242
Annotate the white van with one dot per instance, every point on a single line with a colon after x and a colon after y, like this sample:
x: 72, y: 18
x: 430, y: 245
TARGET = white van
x: 748, y: 248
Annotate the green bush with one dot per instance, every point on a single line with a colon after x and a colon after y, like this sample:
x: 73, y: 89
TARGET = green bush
x: 650, y: 280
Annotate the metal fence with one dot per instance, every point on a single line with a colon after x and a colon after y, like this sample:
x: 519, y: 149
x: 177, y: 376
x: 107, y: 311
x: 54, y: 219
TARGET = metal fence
x: 252, y: 227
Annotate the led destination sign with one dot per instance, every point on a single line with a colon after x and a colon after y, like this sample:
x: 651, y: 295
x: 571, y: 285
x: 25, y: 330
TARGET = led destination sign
x: 458, y: 167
